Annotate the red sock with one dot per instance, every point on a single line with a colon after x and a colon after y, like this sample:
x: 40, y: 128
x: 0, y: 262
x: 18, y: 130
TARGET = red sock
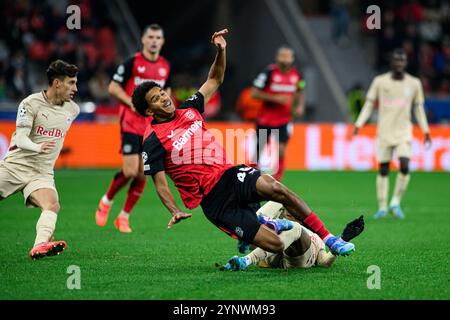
x: 134, y: 193
x: 118, y: 182
x: 280, y: 170
x: 316, y: 225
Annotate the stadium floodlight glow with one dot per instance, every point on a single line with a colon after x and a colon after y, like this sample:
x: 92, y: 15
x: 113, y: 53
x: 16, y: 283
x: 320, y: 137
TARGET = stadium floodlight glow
x: 88, y: 107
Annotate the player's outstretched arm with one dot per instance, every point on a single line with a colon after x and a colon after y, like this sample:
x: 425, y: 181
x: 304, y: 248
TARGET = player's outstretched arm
x: 217, y: 70
x: 166, y: 196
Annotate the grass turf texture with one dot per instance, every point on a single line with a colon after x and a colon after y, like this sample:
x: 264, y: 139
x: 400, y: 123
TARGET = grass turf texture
x: 156, y: 263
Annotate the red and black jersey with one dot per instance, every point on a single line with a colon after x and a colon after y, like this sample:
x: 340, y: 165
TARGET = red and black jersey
x: 129, y: 75
x: 272, y: 80
x: 186, y: 150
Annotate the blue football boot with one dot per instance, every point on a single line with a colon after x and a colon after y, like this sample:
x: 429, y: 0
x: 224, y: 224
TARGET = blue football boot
x: 276, y: 225
x: 380, y: 214
x: 339, y: 247
x: 397, y: 211
x: 236, y: 263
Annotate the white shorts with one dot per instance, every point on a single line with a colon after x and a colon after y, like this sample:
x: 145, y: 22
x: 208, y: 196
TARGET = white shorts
x: 385, y: 152
x: 15, y: 178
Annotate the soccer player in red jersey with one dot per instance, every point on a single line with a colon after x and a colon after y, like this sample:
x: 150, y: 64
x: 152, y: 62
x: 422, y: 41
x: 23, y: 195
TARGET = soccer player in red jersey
x: 279, y: 87
x: 178, y: 144
x: 147, y: 65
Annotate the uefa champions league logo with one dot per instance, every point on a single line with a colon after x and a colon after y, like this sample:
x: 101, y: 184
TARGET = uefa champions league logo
x: 239, y: 232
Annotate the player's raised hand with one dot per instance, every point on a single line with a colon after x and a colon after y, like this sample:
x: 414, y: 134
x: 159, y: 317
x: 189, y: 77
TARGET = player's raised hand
x: 177, y: 218
x: 48, y: 146
x: 218, y: 39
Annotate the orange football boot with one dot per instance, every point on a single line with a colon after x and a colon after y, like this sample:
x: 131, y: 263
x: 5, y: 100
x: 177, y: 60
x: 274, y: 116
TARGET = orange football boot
x: 101, y: 216
x: 46, y: 249
x: 122, y: 224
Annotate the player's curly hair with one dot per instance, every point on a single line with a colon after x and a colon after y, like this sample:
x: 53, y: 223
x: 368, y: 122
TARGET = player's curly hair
x: 138, y: 97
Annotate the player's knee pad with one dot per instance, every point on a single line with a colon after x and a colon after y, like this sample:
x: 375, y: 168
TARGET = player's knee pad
x: 404, y: 166
x: 384, y: 169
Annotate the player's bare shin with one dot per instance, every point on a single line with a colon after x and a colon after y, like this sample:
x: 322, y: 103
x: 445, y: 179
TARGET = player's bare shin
x: 270, y: 189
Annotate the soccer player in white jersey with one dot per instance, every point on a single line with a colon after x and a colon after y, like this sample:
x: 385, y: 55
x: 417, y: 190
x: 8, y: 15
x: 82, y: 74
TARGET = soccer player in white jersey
x: 43, y: 120
x: 395, y: 92
x: 304, y: 248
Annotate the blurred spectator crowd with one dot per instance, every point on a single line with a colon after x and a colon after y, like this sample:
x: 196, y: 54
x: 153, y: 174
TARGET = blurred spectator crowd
x: 34, y: 33
x: 422, y: 29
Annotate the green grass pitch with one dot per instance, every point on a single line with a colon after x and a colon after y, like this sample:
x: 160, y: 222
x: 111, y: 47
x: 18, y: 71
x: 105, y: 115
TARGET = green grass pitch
x: 156, y: 263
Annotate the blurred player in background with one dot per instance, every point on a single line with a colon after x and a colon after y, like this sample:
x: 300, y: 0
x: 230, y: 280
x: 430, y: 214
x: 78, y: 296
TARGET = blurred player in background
x: 304, y: 249
x: 179, y: 144
x: 43, y: 120
x: 279, y: 87
x: 395, y: 92
x: 146, y: 65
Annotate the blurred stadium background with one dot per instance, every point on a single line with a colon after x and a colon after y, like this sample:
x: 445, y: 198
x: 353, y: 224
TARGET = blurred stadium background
x: 335, y: 51
x: 337, y: 55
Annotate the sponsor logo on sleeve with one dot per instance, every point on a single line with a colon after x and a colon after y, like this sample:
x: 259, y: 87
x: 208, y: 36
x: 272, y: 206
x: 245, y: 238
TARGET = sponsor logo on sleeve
x: 21, y: 113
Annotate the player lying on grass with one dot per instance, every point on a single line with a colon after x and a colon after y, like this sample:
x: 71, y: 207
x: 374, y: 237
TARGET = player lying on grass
x: 305, y: 249
x: 178, y: 143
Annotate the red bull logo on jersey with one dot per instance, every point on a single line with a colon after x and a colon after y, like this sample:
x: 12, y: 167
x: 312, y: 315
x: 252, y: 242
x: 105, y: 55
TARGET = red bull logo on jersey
x: 396, y: 102
x: 57, y: 133
x: 187, y: 135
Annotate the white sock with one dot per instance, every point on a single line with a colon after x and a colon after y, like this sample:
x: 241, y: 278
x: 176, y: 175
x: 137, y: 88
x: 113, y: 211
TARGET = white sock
x: 382, y: 191
x: 124, y: 214
x: 328, y: 237
x: 45, y: 226
x: 401, y: 184
x: 106, y: 200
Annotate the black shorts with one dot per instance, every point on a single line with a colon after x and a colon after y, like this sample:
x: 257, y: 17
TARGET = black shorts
x: 232, y: 203
x: 131, y: 143
x: 284, y: 132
